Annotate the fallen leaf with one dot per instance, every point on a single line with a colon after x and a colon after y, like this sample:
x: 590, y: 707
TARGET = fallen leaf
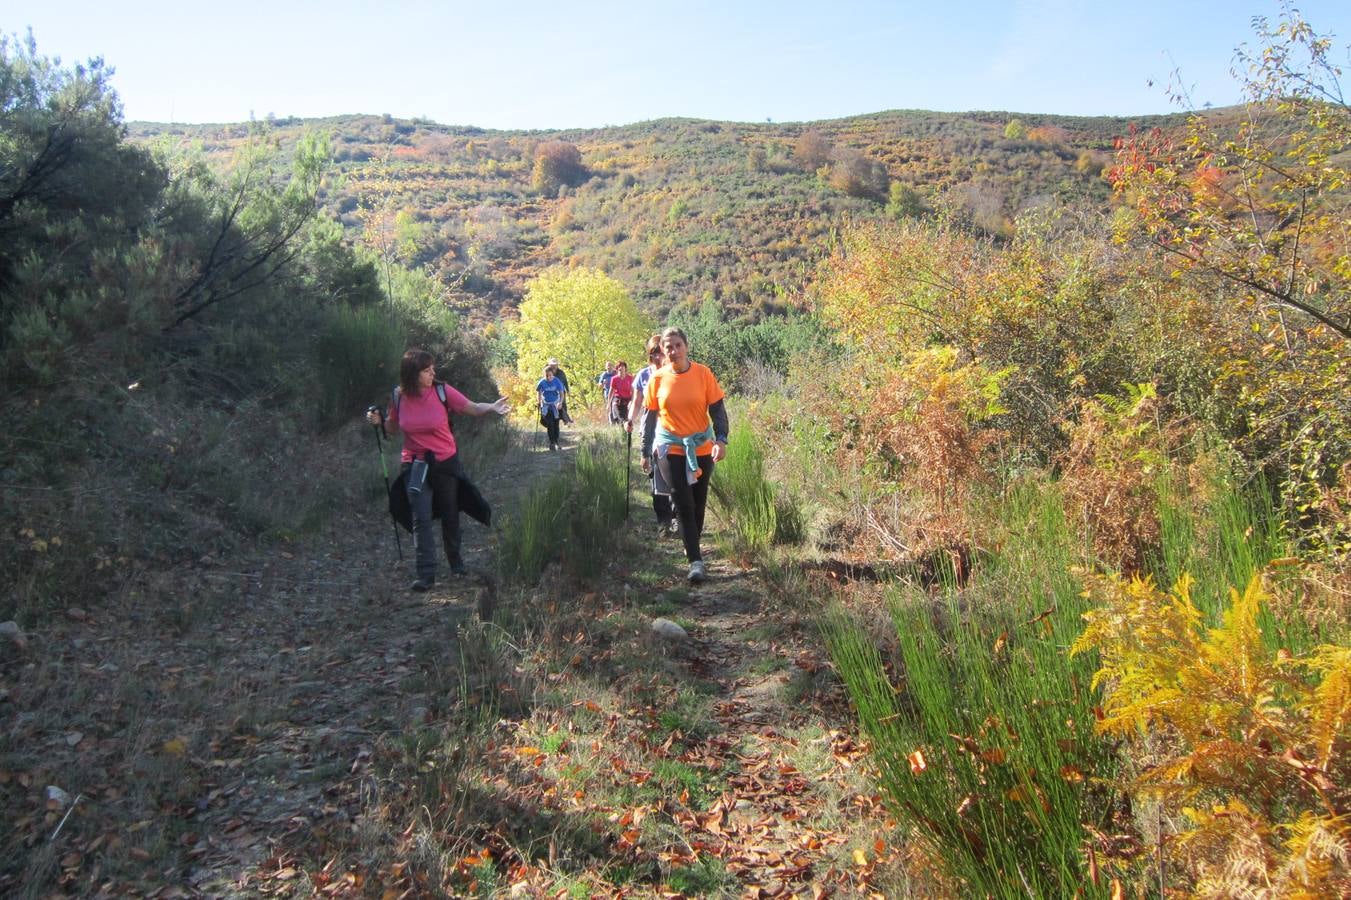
x: 175, y: 747
x: 917, y: 763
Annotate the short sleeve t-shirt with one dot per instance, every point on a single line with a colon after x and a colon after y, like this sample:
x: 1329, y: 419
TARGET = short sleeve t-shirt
x: 621, y: 386
x: 681, y: 401
x: 425, y: 424
x: 550, y: 389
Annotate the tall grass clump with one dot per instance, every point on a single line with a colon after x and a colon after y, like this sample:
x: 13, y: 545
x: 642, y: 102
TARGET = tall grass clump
x: 571, y: 516
x: 745, y: 496
x: 530, y: 534
x: 357, y: 359
x: 984, y: 737
x: 598, y: 504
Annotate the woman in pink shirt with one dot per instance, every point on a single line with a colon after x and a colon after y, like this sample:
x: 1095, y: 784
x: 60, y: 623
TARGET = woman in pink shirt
x: 421, y: 409
x: 621, y: 393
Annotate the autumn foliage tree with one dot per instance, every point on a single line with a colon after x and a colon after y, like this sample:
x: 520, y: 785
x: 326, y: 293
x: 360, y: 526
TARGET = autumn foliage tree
x: 557, y: 163
x: 1258, y: 214
x: 812, y: 151
x: 582, y: 317
x: 855, y: 174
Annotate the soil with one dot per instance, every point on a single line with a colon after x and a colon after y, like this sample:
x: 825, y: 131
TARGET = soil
x: 219, y: 726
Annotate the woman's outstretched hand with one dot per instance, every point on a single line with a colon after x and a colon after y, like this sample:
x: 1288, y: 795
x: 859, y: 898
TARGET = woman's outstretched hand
x: 500, y: 406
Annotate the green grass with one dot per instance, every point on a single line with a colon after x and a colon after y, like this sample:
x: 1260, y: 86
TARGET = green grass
x: 999, y: 713
x: 740, y: 488
x: 530, y: 534
x: 572, y: 516
x: 708, y: 876
x: 983, y: 726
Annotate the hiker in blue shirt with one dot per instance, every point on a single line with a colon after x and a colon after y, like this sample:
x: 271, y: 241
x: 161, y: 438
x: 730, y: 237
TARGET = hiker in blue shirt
x: 603, y: 379
x: 563, y: 406
x: 551, y: 393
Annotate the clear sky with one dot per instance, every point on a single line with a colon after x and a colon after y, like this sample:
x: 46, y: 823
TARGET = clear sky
x: 585, y: 63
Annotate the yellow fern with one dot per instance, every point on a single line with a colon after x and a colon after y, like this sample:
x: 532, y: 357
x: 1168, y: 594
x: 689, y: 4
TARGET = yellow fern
x: 1258, y: 735
x: 1331, y: 706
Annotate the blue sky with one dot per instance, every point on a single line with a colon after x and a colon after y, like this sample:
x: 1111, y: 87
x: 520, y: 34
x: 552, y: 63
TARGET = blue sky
x: 585, y: 63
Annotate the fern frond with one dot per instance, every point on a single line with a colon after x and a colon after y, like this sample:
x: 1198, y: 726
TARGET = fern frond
x: 1319, y: 857
x: 1330, y: 709
x: 1235, y: 648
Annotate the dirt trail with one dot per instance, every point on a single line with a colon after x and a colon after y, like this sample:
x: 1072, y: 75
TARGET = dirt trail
x: 220, y: 744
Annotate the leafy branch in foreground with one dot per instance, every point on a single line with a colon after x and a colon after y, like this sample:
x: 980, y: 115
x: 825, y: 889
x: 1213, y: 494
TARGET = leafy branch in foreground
x: 1255, y: 739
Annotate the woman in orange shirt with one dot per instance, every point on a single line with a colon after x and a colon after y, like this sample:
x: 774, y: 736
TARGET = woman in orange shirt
x: 685, y: 437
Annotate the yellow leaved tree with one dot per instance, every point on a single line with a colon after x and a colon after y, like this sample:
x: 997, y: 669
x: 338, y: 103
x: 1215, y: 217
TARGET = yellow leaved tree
x: 583, y: 318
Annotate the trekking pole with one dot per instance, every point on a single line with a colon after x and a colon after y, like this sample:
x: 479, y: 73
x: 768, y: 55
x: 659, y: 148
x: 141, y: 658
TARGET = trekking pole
x: 384, y: 467
x: 628, y: 468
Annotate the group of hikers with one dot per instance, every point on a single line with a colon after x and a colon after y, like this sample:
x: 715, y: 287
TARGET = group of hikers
x: 679, y: 413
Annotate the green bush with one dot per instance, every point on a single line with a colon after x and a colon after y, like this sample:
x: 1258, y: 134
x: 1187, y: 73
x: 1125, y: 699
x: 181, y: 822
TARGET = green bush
x: 358, y: 355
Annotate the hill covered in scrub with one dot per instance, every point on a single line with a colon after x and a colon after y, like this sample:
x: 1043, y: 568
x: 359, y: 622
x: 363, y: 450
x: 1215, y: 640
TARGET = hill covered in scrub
x: 680, y: 210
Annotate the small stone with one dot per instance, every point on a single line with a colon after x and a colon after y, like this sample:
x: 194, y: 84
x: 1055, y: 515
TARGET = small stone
x: 55, y: 795
x: 669, y: 630
x: 77, y: 614
x: 14, y: 634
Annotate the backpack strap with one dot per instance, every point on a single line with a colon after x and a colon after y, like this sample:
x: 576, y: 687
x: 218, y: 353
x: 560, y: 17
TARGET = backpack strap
x: 441, y: 394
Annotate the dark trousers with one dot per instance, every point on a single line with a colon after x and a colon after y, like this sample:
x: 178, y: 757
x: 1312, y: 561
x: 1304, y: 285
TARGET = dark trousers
x: 661, y: 504
x: 550, y: 423
x: 689, y: 500
x: 442, y: 486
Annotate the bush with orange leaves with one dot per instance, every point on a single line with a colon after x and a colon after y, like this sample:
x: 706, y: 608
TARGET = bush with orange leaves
x: 1110, y: 472
x: 922, y: 424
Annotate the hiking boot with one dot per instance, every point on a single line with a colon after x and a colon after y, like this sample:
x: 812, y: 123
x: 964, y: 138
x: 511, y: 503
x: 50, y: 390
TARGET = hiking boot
x: 422, y: 585
x: 698, y: 572
x: 459, y: 568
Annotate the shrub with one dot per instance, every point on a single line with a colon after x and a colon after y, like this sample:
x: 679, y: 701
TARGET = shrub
x: 357, y: 357
x: 1246, y: 741
x: 1110, y: 471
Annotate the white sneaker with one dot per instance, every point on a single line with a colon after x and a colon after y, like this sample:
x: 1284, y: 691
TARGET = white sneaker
x: 698, y: 572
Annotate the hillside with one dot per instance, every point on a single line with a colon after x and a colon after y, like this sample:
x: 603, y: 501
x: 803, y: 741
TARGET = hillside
x: 678, y: 209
